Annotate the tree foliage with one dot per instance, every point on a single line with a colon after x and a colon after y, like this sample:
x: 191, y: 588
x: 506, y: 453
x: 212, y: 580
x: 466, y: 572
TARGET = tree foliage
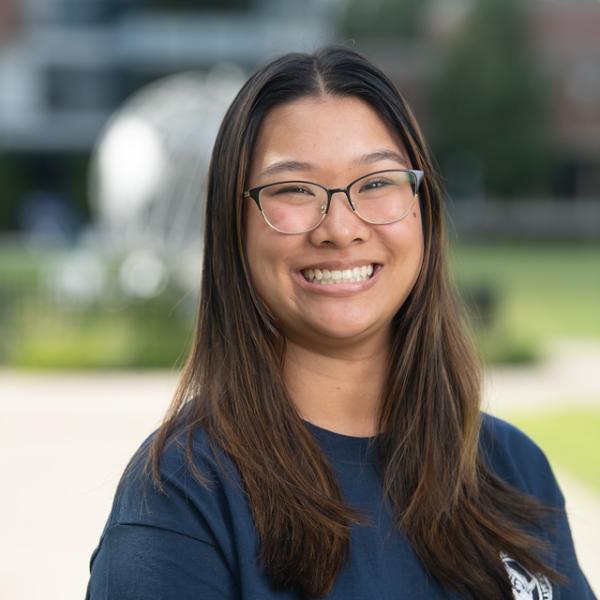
x: 383, y: 19
x: 488, y: 103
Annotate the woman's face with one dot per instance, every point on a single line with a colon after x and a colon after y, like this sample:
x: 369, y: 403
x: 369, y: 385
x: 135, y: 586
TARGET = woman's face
x: 332, y: 141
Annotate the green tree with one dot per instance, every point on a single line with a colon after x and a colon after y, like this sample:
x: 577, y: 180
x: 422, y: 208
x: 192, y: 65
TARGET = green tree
x: 488, y: 104
x: 383, y: 19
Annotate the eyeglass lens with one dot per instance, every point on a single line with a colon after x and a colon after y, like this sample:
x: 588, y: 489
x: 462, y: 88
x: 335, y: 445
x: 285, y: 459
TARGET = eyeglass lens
x: 379, y: 198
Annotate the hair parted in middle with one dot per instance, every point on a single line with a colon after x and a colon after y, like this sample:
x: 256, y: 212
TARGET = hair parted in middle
x: 453, y: 509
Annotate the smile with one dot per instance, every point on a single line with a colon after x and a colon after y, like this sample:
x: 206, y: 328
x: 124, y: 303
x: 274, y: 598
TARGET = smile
x: 332, y: 277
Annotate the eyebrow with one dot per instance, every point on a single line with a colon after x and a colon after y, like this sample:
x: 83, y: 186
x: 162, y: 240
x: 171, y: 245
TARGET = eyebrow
x: 383, y: 154
x: 366, y: 159
x: 287, y: 165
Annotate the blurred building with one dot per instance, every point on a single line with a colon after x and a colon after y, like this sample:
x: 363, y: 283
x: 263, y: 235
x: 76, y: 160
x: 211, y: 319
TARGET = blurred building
x: 565, y: 39
x: 65, y: 65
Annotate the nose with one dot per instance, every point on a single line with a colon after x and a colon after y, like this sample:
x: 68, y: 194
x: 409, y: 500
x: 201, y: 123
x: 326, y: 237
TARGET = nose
x: 341, y: 226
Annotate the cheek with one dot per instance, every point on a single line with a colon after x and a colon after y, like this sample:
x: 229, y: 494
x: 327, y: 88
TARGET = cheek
x: 257, y: 234
x: 265, y: 252
x: 259, y: 265
x: 405, y: 242
x: 407, y: 235
x: 254, y: 250
x: 416, y: 225
x: 261, y: 274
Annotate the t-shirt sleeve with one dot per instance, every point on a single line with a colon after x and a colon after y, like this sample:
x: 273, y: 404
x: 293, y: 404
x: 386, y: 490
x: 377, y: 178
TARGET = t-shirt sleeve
x: 139, y: 562
x: 166, y: 543
x: 518, y: 460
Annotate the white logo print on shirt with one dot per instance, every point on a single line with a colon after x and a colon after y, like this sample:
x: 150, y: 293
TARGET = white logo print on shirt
x: 525, y: 585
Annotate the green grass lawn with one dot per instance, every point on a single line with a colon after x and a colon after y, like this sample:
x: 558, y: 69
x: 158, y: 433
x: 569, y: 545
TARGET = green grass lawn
x: 543, y: 291
x: 570, y: 438
x: 38, y: 330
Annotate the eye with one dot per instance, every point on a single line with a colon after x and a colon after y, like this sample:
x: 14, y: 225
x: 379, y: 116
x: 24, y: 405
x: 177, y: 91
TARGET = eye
x: 374, y: 184
x: 293, y: 189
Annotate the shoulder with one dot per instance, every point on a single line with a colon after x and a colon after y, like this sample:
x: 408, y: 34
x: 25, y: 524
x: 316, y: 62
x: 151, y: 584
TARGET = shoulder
x: 178, y: 500
x: 176, y: 539
x: 518, y: 460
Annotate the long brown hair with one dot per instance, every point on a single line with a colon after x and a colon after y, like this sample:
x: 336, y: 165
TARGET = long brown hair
x: 453, y: 509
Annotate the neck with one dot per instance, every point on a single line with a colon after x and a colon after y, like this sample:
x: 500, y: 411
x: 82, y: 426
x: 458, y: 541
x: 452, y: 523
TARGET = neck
x: 337, y: 391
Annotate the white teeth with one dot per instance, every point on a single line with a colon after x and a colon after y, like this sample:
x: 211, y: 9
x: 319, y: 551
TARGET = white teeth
x: 326, y: 276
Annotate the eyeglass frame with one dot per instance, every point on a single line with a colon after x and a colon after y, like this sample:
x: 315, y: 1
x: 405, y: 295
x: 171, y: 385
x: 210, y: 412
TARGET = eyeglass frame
x: 254, y: 193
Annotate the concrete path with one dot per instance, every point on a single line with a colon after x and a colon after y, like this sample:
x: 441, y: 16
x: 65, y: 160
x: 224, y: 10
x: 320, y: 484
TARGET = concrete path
x: 65, y: 439
x: 570, y: 374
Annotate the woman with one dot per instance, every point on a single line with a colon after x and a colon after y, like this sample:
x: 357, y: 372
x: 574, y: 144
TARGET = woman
x: 326, y: 438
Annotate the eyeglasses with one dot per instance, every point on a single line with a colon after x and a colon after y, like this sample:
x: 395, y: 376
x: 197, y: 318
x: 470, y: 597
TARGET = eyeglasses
x: 300, y: 206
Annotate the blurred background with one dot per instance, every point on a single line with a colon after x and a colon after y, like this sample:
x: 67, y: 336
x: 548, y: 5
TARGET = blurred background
x: 108, y: 112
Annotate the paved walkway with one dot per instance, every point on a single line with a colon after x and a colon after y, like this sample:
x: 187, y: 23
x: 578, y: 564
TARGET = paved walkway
x: 570, y: 374
x: 65, y: 439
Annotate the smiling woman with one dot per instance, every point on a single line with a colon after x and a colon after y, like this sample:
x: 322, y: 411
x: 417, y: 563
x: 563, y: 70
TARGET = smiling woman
x: 326, y: 438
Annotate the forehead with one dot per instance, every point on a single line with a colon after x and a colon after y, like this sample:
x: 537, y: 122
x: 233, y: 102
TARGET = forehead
x: 329, y: 132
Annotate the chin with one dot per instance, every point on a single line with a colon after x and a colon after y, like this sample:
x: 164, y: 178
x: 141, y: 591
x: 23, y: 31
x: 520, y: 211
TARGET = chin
x: 339, y: 332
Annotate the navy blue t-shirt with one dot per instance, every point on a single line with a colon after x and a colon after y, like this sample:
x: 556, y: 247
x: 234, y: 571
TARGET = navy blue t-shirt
x: 194, y: 543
